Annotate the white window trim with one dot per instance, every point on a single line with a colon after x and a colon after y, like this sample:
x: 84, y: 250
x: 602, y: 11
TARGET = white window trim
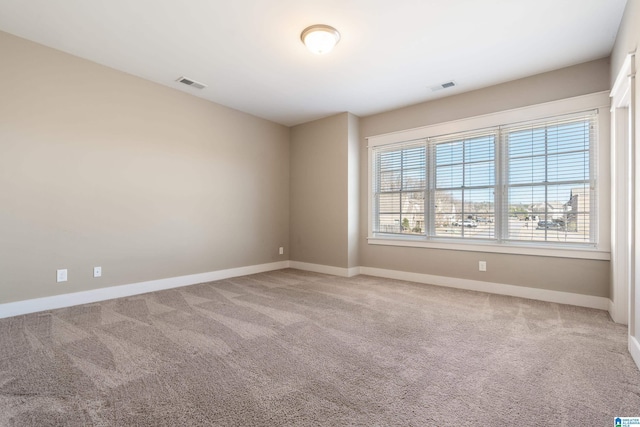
x: 599, y: 101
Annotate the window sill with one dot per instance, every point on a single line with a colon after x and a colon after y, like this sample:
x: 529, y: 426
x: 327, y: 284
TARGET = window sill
x: 511, y: 248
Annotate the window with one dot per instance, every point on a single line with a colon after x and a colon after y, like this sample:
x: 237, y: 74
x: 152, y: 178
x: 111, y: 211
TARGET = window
x: 464, y: 186
x: 524, y: 183
x: 401, y: 172
x: 549, y: 182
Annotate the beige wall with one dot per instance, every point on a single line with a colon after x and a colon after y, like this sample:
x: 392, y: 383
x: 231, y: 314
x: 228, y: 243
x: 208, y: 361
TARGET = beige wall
x: 628, y: 38
x: 100, y: 168
x: 353, y: 185
x: 564, y: 83
x: 570, y: 275
x: 319, y: 192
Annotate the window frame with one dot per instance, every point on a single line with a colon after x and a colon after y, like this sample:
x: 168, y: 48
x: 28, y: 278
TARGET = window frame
x: 553, y: 128
x: 600, y: 250
x: 467, y: 187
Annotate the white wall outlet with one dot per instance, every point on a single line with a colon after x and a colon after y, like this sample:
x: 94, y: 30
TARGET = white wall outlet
x: 482, y: 265
x: 97, y: 271
x: 281, y: 250
x: 61, y: 275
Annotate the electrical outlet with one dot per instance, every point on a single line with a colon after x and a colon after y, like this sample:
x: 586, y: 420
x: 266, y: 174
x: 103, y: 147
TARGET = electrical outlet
x: 482, y: 265
x: 281, y: 250
x: 97, y: 271
x: 61, y: 275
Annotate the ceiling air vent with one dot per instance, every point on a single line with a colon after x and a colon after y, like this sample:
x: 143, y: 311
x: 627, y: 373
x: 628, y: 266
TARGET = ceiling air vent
x: 443, y: 86
x: 191, y: 82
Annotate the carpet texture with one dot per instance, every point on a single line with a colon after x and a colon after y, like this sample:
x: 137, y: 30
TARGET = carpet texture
x: 292, y: 348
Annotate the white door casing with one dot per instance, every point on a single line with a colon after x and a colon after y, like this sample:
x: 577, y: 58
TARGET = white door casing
x: 622, y: 207
x: 625, y: 194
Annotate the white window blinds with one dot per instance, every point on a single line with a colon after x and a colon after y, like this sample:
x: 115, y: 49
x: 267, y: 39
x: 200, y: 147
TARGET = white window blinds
x: 526, y: 182
x: 550, y: 188
x: 399, y: 188
x: 463, y: 199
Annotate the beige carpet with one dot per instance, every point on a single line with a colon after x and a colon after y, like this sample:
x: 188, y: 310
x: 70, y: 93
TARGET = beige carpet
x: 291, y: 348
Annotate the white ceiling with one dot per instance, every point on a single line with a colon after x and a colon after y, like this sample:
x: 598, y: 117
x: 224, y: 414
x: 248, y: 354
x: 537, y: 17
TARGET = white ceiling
x: 249, y: 52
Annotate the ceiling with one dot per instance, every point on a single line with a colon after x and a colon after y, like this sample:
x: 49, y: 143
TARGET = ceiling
x: 391, y: 53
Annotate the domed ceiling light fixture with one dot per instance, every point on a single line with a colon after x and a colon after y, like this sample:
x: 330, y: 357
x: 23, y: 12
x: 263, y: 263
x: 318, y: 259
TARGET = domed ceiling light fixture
x: 320, y: 39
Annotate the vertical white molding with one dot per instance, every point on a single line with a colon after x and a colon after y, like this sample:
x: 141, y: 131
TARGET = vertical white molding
x: 634, y: 349
x: 625, y: 257
x: 633, y: 295
x: 622, y: 192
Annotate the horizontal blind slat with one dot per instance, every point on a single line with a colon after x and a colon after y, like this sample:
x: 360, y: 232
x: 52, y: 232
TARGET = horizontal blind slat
x: 545, y: 167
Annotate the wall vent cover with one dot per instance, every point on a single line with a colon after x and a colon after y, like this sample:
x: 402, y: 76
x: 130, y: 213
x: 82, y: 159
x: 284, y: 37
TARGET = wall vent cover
x: 191, y: 82
x: 441, y: 86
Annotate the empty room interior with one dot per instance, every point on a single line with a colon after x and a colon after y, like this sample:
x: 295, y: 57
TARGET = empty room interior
x: 252, y: 213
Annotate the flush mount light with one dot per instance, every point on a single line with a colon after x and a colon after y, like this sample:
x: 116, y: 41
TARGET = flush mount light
x: 320, y: 38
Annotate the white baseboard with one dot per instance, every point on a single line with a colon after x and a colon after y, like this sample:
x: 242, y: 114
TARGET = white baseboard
x: 95, y: 295
x: 101, y: 294
x: 580, y: 300
x: 325, y: 269
x: 634, y: 349
x: 615, y: 314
